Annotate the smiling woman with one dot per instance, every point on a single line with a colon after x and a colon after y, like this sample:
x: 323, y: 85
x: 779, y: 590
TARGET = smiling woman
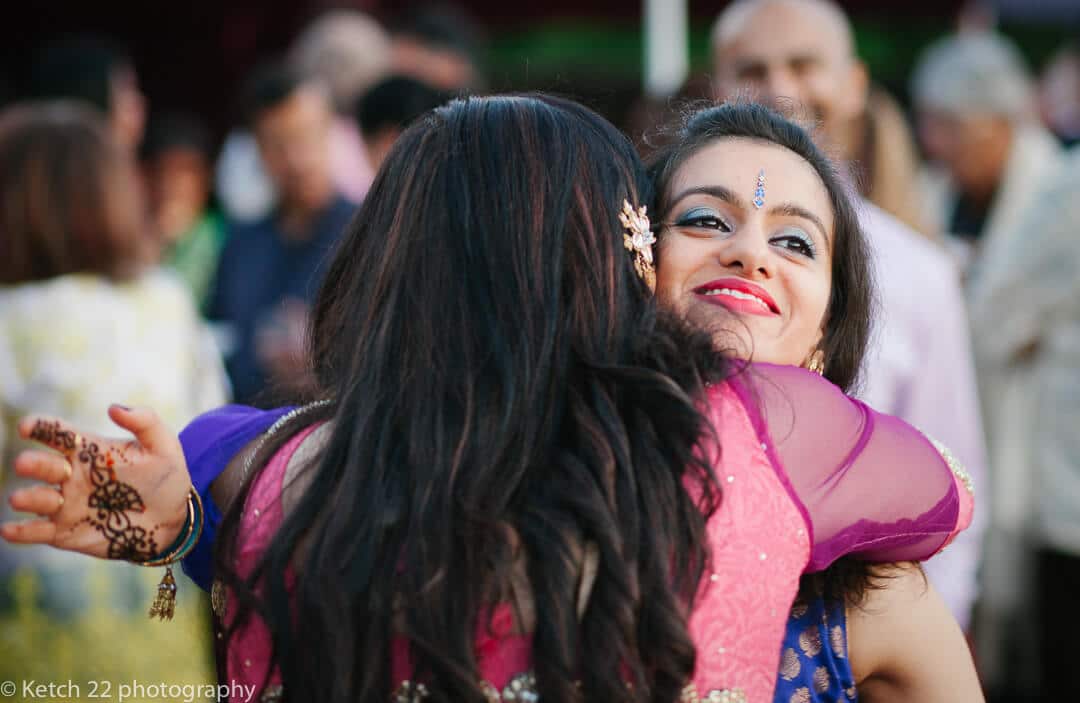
x: 786, y: 280
x: 769, y: 265
x: 758, y: 242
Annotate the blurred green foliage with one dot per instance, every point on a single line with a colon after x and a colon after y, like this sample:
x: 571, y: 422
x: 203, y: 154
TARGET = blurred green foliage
x: 591, y: 53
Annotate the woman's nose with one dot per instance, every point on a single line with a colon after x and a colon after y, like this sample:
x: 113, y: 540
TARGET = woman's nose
x: 747, y: 252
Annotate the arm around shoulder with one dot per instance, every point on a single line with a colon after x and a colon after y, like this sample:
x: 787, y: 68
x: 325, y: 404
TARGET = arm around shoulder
x: 873, y: 486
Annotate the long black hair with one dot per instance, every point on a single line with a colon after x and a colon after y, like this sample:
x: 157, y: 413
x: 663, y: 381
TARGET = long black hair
x: 851, y: 300
x: 505, y: 393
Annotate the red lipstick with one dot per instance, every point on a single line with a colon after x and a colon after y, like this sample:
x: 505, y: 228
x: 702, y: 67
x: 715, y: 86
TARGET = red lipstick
x: 738, y: 295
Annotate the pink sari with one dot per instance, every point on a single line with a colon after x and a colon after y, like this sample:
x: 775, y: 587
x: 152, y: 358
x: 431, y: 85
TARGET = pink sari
x: 808, y: 475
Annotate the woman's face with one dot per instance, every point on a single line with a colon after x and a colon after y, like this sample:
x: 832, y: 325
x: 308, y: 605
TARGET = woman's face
x: 746, y: 249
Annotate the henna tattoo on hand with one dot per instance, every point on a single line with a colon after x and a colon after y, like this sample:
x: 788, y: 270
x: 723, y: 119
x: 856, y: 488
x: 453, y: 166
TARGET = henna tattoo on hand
x: 50, y: 433
x: 111, y: 500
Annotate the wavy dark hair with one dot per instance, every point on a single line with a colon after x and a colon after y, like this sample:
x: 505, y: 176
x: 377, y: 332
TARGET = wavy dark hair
x: 505, y: 392
x: 851, y: 300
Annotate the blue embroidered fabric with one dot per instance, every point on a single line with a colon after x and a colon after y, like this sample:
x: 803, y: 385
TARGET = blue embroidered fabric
x: 814, y: 666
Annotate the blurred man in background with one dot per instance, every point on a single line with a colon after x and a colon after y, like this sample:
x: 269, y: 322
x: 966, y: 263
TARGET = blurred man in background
x: 348, y: 51
x: 919, y: 366
x: 993, y: 163
x: 815, y: 64
x: 177, y: 157
x: 1029, y: 619
x: 976, y: 108
x: 1059, y: 93
x: 440, y: 46
x: 90, y: 69
x: 270, y: 269
x: 385, y: 111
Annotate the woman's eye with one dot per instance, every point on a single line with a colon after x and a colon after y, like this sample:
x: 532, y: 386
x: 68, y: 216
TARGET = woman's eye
x: 704, y: 220
x: 800, y: 244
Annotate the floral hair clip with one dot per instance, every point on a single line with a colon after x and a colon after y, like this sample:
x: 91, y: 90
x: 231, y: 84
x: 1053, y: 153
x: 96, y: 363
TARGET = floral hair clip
x: 639, y: 239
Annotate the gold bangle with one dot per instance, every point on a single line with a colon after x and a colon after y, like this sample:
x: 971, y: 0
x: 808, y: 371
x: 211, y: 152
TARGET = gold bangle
x: 191, y: 533
x: 164, y: 605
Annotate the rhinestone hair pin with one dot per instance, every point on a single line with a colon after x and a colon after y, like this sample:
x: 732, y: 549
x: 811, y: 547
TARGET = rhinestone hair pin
x: 759, y: 192
x: 639, y: 239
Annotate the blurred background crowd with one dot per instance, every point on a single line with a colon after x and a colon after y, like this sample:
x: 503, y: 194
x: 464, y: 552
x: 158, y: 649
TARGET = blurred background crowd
x: 172, y: 178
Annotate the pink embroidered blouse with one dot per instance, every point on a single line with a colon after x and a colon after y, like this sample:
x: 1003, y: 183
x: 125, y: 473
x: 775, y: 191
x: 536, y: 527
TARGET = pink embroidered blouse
x: 808, y: 475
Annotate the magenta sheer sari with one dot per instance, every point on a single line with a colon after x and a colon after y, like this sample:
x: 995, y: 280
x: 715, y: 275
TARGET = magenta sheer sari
x: 871, y: 485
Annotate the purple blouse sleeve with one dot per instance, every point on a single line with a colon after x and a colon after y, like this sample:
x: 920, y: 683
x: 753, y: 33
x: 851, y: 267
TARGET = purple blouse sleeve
x: 210, y: 442
x: 872, y: 485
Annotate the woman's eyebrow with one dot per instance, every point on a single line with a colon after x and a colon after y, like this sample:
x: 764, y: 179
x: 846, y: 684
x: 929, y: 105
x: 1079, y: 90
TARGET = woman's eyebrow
x: 719, y: 192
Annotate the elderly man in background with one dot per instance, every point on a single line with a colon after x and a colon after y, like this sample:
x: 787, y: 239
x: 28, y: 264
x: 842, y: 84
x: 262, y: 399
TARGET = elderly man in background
x: 861, y: 123
x: 919, y: 366
x: 988, y: 189
x: 1035, y: 308
x: 977, y: 113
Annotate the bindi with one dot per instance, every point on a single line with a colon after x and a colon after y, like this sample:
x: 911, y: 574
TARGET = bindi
x: 759, y: 191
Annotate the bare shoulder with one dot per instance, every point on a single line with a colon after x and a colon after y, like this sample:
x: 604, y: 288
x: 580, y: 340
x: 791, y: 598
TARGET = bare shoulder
x: 904, y: 644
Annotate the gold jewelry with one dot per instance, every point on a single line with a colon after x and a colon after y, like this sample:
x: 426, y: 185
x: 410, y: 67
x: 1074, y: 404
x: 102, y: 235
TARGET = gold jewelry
x: 816, y: 363
x: 218, y: 598
x: 639, y: 239
x: 164, y: 605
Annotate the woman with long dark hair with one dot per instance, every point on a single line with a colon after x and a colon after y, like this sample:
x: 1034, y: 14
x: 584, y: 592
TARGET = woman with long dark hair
x: 851, y: 629
x: 524, y: 479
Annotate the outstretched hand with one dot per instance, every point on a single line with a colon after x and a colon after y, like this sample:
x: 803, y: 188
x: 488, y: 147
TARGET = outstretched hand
x: 109, y: 498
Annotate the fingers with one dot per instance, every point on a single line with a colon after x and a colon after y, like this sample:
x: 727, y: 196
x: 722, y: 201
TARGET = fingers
x: 41, y: 500
x: 152, y: 433
x: 46, y: 467
x: 32, y: 532
x: 50, y: 431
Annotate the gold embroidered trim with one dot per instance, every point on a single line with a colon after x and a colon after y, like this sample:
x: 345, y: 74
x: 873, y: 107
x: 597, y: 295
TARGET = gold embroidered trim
x: 734, y: 695
x: 409, y: 692
x: 272, y: 694
x: 522, y: 689
x: 217, y: 598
